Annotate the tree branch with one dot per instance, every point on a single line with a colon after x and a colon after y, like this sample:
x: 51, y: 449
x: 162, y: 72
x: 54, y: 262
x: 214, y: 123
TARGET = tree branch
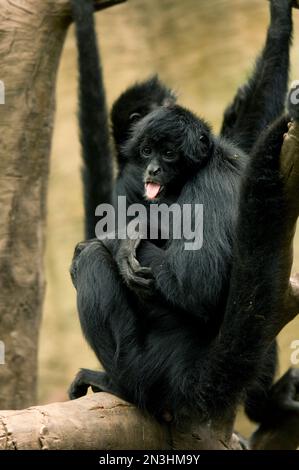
x: 96, y: 422
x: 102, y: 421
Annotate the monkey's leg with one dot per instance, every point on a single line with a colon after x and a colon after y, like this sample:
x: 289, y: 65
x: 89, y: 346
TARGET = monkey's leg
x: 261, y: 100
x: 108, y: 322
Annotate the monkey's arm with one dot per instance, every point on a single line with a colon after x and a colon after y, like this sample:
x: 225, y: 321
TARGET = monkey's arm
x: 262, y: 98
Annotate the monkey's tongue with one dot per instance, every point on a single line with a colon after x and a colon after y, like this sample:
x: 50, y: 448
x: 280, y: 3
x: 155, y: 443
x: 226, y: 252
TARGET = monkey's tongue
x: 152, y: 190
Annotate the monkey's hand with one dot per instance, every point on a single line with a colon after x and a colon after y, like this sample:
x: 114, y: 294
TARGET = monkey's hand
x: 138, y: 278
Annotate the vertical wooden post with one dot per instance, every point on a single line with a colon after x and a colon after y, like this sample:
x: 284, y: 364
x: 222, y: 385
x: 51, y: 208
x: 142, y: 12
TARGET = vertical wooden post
x: 32, y: 34
x: 31, y: 38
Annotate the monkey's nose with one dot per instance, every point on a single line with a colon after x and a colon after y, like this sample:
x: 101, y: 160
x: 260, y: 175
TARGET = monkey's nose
x: 154, y: 170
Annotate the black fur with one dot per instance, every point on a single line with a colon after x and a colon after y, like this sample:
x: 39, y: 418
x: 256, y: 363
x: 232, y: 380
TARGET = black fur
x: 166, y: 354
x: 135, y: 103
x: 256, y: 103
x: 191, y: 347
x: 93, y: 117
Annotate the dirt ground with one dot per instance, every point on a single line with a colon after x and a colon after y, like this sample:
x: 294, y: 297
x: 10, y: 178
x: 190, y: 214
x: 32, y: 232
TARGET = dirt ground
x: 203, y: 50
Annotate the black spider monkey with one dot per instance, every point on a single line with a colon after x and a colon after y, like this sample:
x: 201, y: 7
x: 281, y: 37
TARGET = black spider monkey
x: 165, y: 352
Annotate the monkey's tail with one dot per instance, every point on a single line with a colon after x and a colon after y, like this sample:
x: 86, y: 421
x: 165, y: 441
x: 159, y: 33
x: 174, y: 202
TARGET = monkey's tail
x: 97, y: 170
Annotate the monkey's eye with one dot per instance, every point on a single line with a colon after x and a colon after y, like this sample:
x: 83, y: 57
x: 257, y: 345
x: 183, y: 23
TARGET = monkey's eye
x: 204, y: 139
x: 134, y: 117
x: 170, y: 155
x: 146, y: 151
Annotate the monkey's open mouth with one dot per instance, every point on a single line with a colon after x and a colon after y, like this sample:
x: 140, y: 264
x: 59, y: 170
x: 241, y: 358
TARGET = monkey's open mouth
x: 153, y: 190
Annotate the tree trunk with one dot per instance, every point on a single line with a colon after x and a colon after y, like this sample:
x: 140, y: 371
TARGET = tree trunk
x: 32, y: 33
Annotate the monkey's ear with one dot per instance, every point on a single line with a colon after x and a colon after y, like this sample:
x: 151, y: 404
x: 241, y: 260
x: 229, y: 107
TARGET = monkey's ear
x: 130, y: 149
x: 198, y: 146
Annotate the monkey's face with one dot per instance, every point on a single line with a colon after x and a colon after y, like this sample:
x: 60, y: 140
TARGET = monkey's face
x: 170, y: 145
x: 162, y: 176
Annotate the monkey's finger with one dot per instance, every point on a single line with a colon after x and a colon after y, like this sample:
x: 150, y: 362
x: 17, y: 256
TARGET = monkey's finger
x: 136, y: 276
x: 144, y: 285
x: 128, y: 272
x: 139, y: 270
x: 134, y: 263
x: 140, y: 282
x: 145, y: 272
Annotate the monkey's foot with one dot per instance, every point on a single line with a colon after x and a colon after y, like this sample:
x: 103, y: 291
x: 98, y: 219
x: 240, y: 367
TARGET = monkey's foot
x: 283, y: 398
x: 98, y: 381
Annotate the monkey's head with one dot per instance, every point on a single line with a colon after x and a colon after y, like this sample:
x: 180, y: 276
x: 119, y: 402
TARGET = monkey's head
x: 135, y: 103
x: 171, y: 144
